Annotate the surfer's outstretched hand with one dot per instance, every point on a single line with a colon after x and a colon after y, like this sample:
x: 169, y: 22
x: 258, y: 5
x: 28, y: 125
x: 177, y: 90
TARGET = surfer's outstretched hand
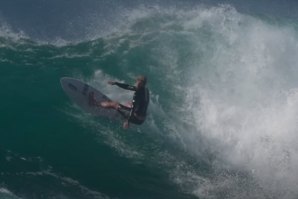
x: 111, y: 82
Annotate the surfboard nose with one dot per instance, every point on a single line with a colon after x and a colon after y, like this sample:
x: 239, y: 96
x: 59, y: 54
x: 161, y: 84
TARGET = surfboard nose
x: 64, y: 81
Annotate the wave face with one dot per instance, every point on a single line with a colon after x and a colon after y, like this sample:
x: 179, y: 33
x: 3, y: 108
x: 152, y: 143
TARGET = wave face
x: 222, y: 117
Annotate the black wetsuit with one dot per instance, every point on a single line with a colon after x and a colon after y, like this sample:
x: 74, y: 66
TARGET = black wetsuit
x: 140, y: 103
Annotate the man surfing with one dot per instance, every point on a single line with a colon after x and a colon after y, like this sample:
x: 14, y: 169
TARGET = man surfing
x: 136, y: 109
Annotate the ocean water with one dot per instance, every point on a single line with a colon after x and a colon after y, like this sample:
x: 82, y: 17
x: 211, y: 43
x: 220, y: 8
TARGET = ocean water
x: 222, y: 121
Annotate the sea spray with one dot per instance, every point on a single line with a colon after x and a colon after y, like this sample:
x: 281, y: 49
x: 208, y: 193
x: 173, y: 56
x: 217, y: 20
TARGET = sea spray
x: 243, y: 99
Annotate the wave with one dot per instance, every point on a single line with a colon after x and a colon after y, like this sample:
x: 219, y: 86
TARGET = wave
x: 243, y: 97
x: 221, y: 121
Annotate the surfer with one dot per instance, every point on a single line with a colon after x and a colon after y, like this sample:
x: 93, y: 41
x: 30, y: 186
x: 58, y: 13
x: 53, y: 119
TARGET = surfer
x: 137, y: 108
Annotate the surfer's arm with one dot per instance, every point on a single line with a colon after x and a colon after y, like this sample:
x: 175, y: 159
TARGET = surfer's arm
x: 125, y: 86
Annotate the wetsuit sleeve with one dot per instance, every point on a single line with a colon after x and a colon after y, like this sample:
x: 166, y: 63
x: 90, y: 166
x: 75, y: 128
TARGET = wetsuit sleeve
x: 126, y: 86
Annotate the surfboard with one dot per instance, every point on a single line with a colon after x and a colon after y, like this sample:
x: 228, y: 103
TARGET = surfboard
x: 79, y: 92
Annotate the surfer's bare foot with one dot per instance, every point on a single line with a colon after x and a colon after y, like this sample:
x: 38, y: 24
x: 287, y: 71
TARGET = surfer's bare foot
x: 126, y: 124
x: 92, y: 100
x: 104, y: 104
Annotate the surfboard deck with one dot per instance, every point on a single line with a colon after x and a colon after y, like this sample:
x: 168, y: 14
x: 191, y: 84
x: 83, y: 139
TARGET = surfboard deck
x: 79, y: 92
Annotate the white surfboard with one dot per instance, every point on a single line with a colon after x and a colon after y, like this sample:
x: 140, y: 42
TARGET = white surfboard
x: 79, y: 93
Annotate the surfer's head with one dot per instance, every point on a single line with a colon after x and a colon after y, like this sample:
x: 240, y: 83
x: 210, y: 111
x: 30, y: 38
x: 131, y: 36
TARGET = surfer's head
x: 141, y: 81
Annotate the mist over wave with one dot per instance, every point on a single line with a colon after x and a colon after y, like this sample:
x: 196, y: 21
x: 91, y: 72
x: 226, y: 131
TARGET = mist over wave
x: 222, y: 118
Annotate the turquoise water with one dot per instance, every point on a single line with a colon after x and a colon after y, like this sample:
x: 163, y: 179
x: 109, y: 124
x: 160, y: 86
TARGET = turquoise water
x: 221, y: 122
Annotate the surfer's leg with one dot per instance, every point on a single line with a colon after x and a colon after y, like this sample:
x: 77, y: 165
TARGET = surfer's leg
x: 128, y: 104
x: 124, y: 110
x: 106, y: 104
x: 124, y: 107
x: 109, y: 104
